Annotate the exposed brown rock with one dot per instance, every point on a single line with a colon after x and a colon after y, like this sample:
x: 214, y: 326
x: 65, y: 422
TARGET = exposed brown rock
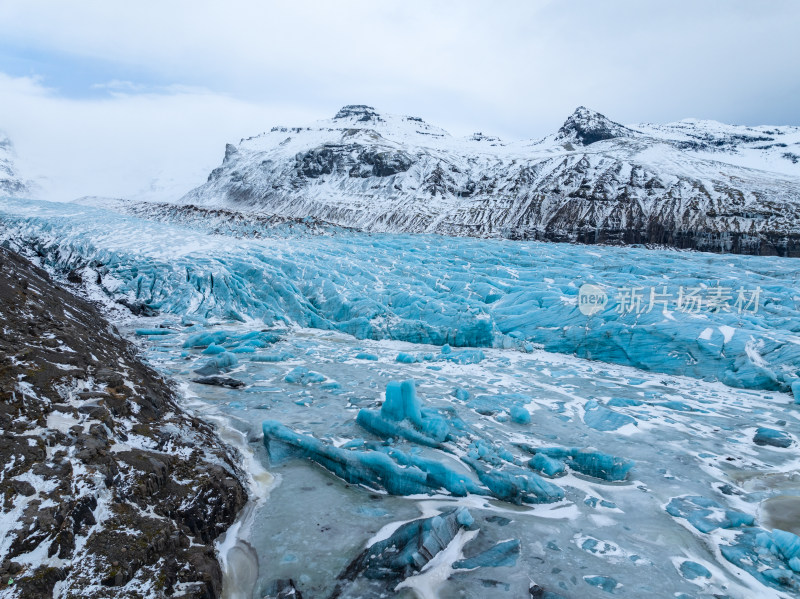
x: 115, y: 489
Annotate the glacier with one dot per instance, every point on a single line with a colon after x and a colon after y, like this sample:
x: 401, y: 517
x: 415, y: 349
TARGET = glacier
x: 440, y: 417
x: 438, y: 290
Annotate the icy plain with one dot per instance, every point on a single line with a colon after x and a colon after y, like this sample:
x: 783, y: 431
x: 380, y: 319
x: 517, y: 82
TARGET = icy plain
x: 665, y: 466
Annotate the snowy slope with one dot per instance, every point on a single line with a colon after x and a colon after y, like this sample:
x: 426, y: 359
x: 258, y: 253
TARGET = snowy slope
x: 11, y: 184
x: 695, y: 184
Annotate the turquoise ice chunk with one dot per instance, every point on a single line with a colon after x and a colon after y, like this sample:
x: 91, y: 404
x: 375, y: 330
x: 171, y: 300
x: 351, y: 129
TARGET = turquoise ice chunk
x: 601, y: 418
x: 504, y: 553
x: 213, y: 350
x: 605, y: 583
x: 691, y: 570
x: 401, y: 402
x: 600, y: 465
x: 547, y: 465
x: 153, y: 332
x: 520, y: 415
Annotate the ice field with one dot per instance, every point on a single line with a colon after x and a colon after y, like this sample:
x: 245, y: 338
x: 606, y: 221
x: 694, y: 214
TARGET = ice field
x: 686, y: 511
x: 429, y: 420
x: 430, y: 289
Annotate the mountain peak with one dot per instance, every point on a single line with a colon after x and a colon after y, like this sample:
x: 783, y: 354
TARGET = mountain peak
x: 5, y: 142
x: 586, y: 126
x: 10, y: 182
x: 358, y: 112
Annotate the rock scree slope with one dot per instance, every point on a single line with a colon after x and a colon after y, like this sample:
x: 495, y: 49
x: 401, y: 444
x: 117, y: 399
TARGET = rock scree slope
x: 108, y: 488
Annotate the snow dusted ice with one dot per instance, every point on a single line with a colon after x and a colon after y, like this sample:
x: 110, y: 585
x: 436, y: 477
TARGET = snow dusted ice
x: 441, y: 290
x: 656, y: 467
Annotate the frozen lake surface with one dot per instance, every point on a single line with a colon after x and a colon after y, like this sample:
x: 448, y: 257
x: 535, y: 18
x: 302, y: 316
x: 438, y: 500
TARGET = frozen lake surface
x: 685, y: 438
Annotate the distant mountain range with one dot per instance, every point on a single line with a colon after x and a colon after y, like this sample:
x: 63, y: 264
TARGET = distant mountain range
x: 691, y: 184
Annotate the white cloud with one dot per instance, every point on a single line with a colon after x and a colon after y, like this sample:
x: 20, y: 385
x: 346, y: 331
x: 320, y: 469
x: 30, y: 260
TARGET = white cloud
x: 189, y: 75
x: 116, y: 146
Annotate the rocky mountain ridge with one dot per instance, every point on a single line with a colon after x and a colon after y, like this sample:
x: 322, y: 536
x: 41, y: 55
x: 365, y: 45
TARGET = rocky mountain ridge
x: 691, y: 184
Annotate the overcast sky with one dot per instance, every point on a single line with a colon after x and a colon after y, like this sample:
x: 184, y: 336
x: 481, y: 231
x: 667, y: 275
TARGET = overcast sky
x: 102, y: 97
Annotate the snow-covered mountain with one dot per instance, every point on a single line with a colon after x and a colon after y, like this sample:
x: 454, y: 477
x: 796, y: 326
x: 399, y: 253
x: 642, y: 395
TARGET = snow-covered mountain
x: 11, y: 184
x: 691, y: 184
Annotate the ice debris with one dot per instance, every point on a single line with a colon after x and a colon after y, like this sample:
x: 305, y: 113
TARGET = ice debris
x: 409, y: 548
x: 772, y: 557
x: 515, y: 485
x: 504, y: 553
x: 218, y: 363
x: 303, y: 376
x: 220, y: 381
x: 796, y: 391
x: 692, y: 570
x: 402, y: 416
x: 537, y: 592
x: 466, y: 356
x: 550, y: 461
x: 605, y: 583
x: 601, y: 418
x: 707, y: 515
x: 276, y: 357
x: 547, y: 465
x: 520, y: 415
x: 377, y: 467
x: 772, y: 437
x: 153, y: 332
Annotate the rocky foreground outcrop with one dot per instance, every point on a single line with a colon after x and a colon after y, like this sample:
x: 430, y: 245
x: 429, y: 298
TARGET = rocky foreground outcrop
x: 692, y: 184
x: 108, y: 488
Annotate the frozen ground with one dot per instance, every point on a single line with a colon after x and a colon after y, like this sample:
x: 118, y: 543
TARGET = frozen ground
x: 686, y: 438
x: 632, y: 476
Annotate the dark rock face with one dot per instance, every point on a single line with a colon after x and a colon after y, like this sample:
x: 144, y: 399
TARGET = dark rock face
x: 104, y: 471
x: 220, y: 221
x: 12, y: 187
x: 353, y: 159
x: 383, y: 164
x: 319, y: 161
x: 359, y: 112
x: 586, y: 127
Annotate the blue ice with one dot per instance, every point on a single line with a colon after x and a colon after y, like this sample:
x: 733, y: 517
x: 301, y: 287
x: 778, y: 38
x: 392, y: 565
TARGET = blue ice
x: 497, y: 293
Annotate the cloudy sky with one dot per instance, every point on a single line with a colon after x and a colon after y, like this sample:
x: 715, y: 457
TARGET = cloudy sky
x: 105, y: 97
